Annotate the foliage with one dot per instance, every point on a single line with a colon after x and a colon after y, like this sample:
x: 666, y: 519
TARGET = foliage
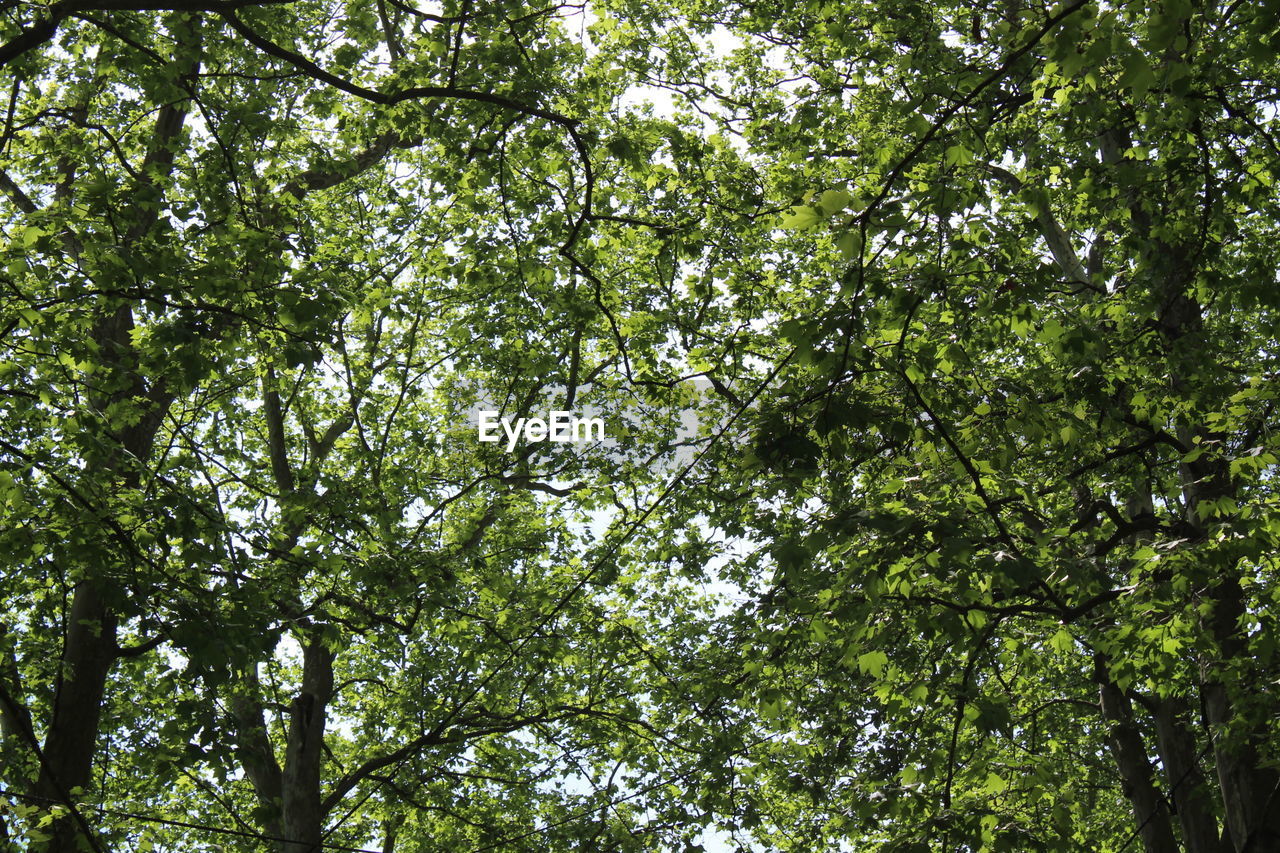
x: 1012, y: 470
x: 261, y: 580
x: 973, y: 545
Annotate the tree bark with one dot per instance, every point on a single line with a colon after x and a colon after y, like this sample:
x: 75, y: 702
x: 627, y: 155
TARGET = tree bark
x: 1150, y: 810
x: 256, y: 756
x: 289, y: 793
x: 1249, y: 789
x: 88, y: 652
x: 390, y: 831
x: 303, y: 812
x: 1188, y: 787
x: 15, y: 718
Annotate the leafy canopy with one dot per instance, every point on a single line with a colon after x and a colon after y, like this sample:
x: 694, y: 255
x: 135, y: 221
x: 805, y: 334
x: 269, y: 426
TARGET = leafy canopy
x: 972, y: 546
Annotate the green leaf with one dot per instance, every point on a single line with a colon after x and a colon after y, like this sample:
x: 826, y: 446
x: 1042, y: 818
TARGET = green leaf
x: 1062, y: 642
x: 850, y: 244
x: 31, y: 234
x: 1138, y: 74
x: 801, y: 218
x: 834, y: 201
x: 873, y: 663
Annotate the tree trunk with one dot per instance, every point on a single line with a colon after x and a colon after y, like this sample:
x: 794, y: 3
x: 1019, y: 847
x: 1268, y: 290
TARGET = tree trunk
x: 15, y: 720
x: 1188, y: 787
x: 90, y: 647
x: 390, y: 830
x: 1150, y: 811
x: 290, y: 794
x: 88, y: 653
x: 1249, y: 790
x: 303, y: 812
x: 255, y: 754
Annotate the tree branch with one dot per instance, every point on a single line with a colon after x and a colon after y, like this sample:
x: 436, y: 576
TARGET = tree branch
x: 46, y: 28
x: 20, y: 199
x: 1064, y: 254
x: 313, y: 70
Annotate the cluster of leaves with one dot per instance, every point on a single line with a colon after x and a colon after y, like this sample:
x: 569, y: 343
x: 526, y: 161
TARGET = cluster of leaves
x: 1012, y: 475
x: 261, y: 585
x: 971, y: 546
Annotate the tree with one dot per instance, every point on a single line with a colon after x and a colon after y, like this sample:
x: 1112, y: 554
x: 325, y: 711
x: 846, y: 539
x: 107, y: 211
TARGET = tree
x: 983, y: 481
x: 265, y: 259
x: 1013, y: 469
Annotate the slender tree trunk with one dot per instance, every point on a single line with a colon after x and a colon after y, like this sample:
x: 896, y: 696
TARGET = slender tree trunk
x: 16, y: 736
x: 88, y: 653
x: 1188, y: 787
x: 15, y: 719
x: 289, y: 792
x: 1150, y: 810
x: 303, y: 812
x: 255, y: 754
x: 390, y: 830
x: 90, y: 647
x: 1249, y: 789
